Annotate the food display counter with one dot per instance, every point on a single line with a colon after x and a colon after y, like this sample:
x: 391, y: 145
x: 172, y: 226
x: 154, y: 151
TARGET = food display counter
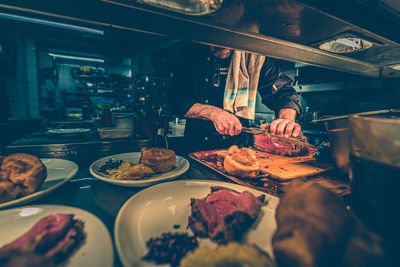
x: 105, y: 200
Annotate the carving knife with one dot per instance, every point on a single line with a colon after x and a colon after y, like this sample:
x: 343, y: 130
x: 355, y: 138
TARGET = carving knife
x: 278, y: 137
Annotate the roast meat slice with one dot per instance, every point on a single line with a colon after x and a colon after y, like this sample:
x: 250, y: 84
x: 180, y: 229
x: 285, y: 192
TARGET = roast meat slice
x: 224, y: 215
x: 265, y: 143
x: 53, y: 237
x: 44, y: 234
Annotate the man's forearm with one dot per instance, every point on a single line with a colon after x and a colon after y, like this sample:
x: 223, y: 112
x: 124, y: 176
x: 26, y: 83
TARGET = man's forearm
x: 201, y: 111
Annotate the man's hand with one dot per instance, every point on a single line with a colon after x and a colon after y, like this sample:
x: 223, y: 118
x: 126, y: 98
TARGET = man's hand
x: 224, y: 122
x: 285, y: 124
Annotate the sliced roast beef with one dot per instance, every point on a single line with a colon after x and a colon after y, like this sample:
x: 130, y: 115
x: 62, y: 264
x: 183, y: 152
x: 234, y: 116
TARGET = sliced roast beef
x: 265, y: 143
x: 43, y: 234
x: 53, y: 237
x: 224, y: 215
x: 68, y: 243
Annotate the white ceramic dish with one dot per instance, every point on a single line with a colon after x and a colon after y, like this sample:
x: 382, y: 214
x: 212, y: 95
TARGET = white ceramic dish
x: 68, y: 131
x: 181, y: 166
x: 97, y: 250
x: 157, y: 209
x: 59, y: 171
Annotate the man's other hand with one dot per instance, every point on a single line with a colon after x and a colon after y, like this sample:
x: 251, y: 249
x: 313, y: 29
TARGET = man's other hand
x: 285, y: 124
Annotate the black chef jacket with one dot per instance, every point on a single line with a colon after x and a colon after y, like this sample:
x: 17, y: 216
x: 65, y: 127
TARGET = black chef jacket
x: 200, y: 78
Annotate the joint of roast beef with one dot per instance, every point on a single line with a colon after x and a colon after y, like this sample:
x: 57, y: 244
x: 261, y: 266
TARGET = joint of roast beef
x: 266, y: 143
x: 224, y: 215
x: 241, y: 162
x: 53, y: 237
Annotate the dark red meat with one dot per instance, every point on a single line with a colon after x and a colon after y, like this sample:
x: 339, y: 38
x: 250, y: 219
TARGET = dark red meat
x: 53, y: 237
x: 66, y: 245
x: 44, y: 233
x: 265, y: 143
x: 224, y: 215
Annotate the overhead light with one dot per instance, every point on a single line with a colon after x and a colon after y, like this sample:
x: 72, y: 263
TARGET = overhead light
x: 77, y: 57
x: 346, y: 45
x: 51, y: 23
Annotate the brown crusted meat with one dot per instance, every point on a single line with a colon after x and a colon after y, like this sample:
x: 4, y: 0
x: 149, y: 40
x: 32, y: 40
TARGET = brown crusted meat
x: 265, y: 143
x: 158, y: 159
x: 224, y: 215
x: 241, y: 162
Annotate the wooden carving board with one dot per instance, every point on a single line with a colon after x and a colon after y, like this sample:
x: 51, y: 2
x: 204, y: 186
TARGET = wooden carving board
x: 287, y: 168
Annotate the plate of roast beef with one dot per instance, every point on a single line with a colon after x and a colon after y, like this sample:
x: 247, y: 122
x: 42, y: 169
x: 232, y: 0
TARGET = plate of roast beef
x: 165, y: 223
x: 50, y: 235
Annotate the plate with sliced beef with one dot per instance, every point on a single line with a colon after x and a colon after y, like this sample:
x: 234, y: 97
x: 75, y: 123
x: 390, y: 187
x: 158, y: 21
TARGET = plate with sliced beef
x: 52, y: 235
x: 212, y: 212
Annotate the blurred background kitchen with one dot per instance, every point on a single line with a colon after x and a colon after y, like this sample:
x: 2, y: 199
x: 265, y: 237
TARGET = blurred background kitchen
x: 74, y: 91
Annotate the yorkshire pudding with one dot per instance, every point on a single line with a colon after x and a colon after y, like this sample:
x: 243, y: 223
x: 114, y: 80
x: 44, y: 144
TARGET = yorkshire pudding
x: 158, y: 159
x: 241, y: 162
x: 24, y: 170
x: 8, y: 191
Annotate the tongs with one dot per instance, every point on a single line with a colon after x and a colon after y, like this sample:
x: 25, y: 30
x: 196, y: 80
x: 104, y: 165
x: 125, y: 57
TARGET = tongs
x: 278, y: 137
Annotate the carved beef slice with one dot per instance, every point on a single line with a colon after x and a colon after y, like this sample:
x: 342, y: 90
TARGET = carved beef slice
x: 224, y: 215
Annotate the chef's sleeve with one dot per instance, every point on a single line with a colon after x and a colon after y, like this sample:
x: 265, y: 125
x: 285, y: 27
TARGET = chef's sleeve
x: 276, y: 88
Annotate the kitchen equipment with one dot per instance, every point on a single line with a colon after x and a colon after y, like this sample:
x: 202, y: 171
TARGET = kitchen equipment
x: 375, y: 172
x: 68, y: 133
x: 278, y: 137
x: 107, y: 117
x: 114, y: 132
x: 124, y: 120
x: 178, y: 127
x: 338, y: 132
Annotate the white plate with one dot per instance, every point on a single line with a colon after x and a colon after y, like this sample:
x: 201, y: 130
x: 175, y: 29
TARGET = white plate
x: 59, y: 171
x: 69, y: 131
x: 97, y: 249
x: 181, y: 166
x: 156, y: 209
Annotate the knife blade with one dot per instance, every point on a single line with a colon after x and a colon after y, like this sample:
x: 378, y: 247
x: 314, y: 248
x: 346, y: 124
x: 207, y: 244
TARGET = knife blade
x: 278, y: 137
